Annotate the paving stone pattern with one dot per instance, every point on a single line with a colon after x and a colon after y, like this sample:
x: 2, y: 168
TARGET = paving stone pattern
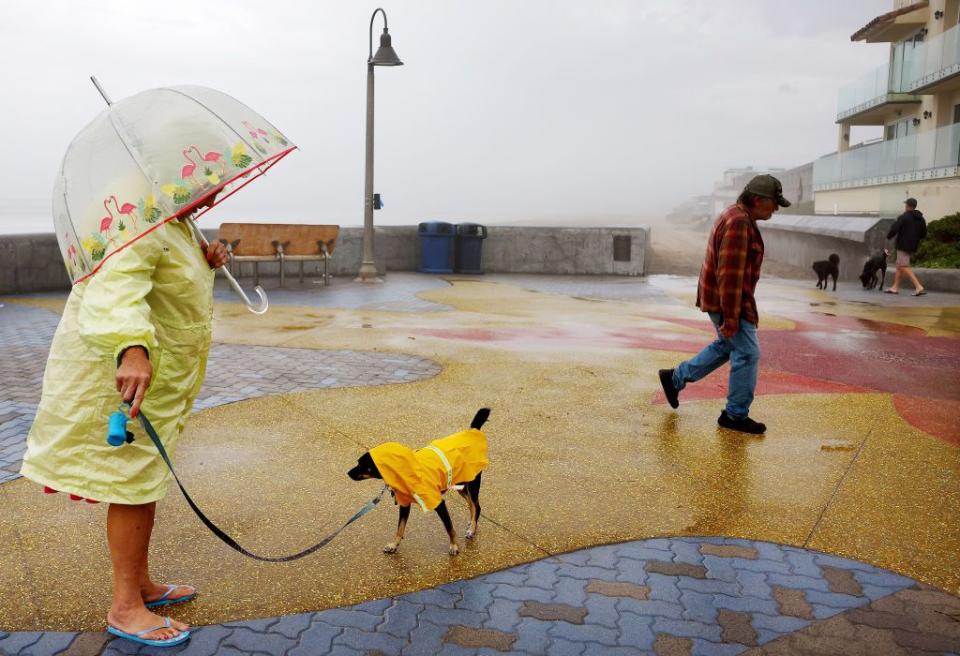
x: 753, y: 598
x: 235, y: 372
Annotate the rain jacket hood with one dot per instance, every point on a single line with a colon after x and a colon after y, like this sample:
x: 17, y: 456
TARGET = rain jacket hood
x: 423, y: 476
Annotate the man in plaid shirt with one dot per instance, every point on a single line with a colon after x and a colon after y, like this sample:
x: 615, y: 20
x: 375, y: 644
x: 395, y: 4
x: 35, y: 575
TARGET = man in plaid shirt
x: 726, y: 292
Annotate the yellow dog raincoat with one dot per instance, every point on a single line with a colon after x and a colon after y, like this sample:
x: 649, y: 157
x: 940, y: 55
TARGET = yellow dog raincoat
x: 423, y: 476
x: 157, y: 293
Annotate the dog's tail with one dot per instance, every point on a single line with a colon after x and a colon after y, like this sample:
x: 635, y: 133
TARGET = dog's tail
x: 480, y: 418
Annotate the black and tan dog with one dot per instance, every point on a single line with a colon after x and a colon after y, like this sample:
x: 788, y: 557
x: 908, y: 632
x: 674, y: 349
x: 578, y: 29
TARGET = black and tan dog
x: 827, y: 268
x: 871, y: 268
x: 422, y: 477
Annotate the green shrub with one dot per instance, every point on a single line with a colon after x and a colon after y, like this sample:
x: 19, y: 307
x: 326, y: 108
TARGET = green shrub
x: 941, y: 248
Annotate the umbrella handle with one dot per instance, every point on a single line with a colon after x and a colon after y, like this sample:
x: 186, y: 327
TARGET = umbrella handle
x: 264, y: 304
x: 256, y: 309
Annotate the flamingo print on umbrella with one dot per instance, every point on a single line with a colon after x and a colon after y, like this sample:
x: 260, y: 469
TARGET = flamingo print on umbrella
x: 257, y: 134
x: 127, y: 209
x: 188, y: 169
x: 72, y: 264
x: 107, y: 221
x: 211, y: 156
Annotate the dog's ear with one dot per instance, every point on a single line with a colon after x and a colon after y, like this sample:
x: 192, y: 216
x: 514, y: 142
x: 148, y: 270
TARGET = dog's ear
x: 480, y: 418
x: 367, y: 461
x: 365, y: 468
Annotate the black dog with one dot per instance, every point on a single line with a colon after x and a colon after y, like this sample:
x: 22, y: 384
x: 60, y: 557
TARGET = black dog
x: 826, y: 268
x: 423, y: 476
x: 875, y: 265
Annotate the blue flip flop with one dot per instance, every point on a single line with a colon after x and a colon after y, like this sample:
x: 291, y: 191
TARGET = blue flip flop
x: 138, y: 636
x: 165, y: 601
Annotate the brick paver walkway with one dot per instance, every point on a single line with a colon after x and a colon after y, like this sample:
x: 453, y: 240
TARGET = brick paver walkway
x: 697, y: 596
x: 235, y: 372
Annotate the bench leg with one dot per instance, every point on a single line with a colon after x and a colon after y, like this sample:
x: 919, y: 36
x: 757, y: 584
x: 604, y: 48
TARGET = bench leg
x: 326, y: 274
x: 256, y: 274
x: 301, y: 272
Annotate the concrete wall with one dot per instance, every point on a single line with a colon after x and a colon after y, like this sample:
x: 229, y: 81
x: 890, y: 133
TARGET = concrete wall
x: 563, y: 250
x: 30, y: 263
x: 802, y: 240
x: 938, y: 280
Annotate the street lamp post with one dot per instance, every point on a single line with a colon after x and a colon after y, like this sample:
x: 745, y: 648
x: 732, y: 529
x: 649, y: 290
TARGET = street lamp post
x: 385, y: 57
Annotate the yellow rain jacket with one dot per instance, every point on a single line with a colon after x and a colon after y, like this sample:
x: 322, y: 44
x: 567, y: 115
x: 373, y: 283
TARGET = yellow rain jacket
x: 156, y: 293
x: 423, y: 476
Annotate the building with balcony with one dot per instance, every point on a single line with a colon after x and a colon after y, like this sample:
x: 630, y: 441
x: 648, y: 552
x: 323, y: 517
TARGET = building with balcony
x: 915, y: 98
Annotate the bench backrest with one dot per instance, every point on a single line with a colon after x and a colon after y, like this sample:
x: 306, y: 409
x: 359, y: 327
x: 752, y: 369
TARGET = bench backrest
x: 297, y: 239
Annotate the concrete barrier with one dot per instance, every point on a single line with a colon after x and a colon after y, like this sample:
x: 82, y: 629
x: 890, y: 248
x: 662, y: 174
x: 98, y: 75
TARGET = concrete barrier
x: 31, y: 263
x: 803, y: 240
x: 937, y: 280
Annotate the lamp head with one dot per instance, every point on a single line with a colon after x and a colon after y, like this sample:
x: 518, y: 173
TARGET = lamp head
x: 385, y: 55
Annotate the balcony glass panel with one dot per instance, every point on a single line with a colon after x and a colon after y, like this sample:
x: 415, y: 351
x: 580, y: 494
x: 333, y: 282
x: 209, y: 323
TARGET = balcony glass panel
x: 928, y: 61
x: 875, y: 85
x: 933, y: 149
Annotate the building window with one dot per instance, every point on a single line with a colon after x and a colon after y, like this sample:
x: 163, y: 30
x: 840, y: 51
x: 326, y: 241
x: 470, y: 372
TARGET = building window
x: 956, y: 113
x: 890, y: 132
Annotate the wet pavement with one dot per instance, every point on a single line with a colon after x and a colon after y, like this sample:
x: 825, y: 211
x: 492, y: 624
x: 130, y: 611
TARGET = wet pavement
x: 860, y: 461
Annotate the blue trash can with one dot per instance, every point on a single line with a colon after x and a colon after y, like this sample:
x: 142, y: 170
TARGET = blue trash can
x: 436, y: 247
x: 469, y: 248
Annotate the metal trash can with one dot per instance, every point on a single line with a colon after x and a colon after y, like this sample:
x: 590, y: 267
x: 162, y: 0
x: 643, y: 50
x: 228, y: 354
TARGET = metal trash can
x: 436, y: 247
x: 469, y: 247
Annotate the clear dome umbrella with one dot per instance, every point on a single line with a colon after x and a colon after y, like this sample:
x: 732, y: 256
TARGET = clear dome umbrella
x: 163, y: 154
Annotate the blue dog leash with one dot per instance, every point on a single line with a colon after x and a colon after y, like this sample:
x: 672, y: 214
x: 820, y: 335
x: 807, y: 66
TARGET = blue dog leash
x: 229, y: 541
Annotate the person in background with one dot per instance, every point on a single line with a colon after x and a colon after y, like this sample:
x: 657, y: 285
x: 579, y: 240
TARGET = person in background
x: 909, y: 229
x: 725, y: 292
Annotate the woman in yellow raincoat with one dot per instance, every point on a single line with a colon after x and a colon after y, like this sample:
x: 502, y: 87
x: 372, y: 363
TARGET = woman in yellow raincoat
x: 143, y: 321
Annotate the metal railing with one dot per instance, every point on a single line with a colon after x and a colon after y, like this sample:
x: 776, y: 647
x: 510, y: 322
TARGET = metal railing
x: 867, y: 90
x: 933, y: 60
x: 936, y: 152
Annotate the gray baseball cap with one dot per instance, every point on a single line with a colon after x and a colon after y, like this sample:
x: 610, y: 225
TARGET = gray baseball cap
x: 768, y: 187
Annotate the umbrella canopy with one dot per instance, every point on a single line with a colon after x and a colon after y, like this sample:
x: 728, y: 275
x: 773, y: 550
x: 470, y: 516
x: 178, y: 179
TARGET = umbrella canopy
x: 149, y: 159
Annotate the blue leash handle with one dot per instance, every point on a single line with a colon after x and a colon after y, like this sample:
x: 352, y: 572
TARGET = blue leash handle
x: 229, y: 541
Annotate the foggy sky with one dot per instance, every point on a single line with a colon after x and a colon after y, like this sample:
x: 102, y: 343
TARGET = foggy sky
x: 504, y: 109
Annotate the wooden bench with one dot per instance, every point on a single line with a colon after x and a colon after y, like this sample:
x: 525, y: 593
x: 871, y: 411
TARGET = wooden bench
x: 278, y: 242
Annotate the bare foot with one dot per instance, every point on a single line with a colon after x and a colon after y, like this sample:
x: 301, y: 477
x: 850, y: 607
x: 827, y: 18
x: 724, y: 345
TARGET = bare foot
x: 132, y: 620
x: 154, y: 591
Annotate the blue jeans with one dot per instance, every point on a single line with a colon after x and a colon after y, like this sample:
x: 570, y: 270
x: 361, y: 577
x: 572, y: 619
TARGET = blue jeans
x: 743, y: 352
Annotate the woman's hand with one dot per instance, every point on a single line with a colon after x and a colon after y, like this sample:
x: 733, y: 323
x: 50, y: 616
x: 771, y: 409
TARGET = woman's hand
x: 133, y: 377
x: 216, y: 254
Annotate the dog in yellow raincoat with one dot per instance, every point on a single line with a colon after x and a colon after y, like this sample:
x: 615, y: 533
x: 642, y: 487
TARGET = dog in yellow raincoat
x: 423, y: 476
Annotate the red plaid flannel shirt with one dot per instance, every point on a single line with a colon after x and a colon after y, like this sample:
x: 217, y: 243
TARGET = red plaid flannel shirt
x: 732, y: 267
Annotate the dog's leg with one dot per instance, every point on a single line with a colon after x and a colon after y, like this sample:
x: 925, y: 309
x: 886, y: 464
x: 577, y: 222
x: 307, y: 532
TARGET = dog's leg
x: 444, y: 515
x: 471, y: 526
x: 474, y: 488
x: 834, y: 282
x: 883, y: 279
x: 401, y: 527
